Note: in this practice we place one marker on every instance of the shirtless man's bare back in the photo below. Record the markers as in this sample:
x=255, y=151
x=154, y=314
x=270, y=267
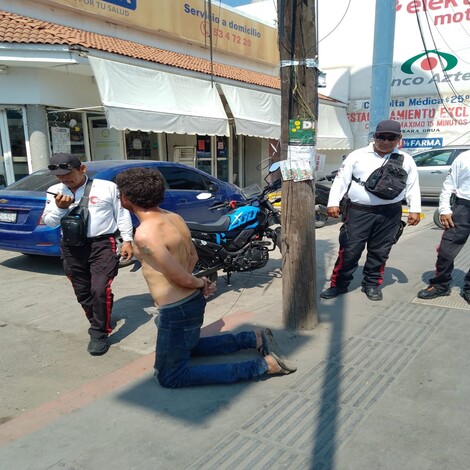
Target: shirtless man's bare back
x=163, y=245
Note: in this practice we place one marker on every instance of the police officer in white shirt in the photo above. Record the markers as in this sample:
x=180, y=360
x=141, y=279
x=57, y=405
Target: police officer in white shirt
x=370, y=220
x=456, y=221
x=92, y=267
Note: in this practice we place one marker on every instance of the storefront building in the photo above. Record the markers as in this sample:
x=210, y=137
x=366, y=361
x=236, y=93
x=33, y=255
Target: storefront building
x=100, y=83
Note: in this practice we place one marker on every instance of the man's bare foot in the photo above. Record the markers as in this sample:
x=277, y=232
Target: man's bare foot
x=276, y=365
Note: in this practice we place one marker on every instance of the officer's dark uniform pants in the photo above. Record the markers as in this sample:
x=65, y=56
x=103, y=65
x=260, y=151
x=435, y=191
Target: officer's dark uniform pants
x=452, y=241
x=374, y=226
x=91, y=269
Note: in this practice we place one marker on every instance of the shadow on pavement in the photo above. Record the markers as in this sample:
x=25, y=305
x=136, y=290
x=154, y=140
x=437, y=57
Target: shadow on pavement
x=135, y=310
x=198, y=404
x=246, y=279
x=326, y=440
x=37, y=264
x=458, y=277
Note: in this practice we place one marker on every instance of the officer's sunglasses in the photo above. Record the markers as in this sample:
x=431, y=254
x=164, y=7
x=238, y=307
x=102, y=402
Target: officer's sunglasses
x=60, y=166
x=389, y=137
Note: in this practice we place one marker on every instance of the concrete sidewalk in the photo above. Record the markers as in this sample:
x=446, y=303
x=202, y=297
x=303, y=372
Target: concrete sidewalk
x=380, y=385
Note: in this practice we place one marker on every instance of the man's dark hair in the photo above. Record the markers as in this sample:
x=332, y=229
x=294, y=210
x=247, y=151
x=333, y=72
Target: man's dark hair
x=144, y=187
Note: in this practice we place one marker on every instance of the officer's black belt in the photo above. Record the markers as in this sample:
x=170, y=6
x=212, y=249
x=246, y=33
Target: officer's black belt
x=378, y=209
x=101, y=237
x=462, y=202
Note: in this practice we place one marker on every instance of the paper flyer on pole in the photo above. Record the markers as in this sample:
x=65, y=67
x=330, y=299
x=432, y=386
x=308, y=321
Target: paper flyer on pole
x=301, y=151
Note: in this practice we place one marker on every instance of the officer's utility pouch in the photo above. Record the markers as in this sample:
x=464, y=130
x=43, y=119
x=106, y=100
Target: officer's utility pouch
x=74, y=225
x=389, y=180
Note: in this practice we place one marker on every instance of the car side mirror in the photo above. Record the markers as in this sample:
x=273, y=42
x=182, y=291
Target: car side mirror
x=213, y=187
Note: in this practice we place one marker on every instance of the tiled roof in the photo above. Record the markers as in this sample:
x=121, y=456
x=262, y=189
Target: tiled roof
x=21, y=29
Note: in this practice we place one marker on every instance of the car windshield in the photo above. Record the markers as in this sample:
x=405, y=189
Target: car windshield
x=39, y=181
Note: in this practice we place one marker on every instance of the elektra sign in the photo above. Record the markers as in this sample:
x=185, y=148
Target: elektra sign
x=129, y=4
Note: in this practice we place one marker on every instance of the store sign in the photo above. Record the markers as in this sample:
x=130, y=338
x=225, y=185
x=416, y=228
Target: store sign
x=189, y=21
x=423, y=142
x=426, y=121
x=131, y=4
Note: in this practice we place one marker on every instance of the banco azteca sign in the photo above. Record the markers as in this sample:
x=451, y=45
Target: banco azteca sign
x=441, y=65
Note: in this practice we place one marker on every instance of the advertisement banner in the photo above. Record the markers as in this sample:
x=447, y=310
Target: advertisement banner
x=190, y=21
x=426, y=121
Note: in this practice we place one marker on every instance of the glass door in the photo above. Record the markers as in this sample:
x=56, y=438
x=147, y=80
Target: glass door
x=106, y=143
x=14, y=158
x=212, y=155
x=204, y=154
x=222, y=155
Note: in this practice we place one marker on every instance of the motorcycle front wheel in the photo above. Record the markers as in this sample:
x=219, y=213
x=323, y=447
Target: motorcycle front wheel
x=320, y=219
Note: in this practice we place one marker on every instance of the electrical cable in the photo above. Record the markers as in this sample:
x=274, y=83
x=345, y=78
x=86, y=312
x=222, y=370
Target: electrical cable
x=447, y=44
x=442, y=67
x=428, y=58
x=337, y=26
x=444, y=72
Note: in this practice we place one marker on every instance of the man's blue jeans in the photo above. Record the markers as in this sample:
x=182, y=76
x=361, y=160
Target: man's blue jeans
x=178, y=338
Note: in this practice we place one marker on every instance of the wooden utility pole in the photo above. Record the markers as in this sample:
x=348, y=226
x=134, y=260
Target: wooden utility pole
x=299, y=98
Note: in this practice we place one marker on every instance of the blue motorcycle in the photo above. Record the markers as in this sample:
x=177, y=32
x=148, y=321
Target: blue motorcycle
x=242, y=238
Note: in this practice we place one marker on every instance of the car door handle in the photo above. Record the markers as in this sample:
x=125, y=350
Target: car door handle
x=437, y=171
x=183, y=201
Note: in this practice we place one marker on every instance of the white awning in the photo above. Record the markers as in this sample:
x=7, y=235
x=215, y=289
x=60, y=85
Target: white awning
x=139, y=98
x=334, y=131
x=258, y=114
x=255, y=113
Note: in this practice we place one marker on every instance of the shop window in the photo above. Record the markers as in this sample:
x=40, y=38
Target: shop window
x=138, y=145
x=66, y=130
x=17, y=143
x=16, y=132
x=222, y=158
x=203, y=153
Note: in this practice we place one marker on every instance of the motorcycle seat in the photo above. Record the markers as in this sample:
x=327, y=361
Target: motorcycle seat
x=220, y=225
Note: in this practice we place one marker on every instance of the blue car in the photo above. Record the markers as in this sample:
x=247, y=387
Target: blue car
x=189, y=192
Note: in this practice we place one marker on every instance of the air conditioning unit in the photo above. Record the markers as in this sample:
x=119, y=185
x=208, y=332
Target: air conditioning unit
x=185, y=155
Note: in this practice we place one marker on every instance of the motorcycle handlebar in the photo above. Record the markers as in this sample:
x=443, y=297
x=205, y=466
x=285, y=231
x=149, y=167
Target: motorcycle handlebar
x=233, y=204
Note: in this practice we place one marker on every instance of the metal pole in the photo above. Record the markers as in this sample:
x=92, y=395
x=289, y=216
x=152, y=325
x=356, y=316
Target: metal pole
x=382, y=62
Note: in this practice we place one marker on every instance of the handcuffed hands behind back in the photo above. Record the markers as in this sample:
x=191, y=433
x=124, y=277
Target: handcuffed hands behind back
x=209, y=287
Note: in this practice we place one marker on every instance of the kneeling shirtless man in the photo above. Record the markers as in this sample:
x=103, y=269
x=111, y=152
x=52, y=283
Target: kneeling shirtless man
x=163, y=245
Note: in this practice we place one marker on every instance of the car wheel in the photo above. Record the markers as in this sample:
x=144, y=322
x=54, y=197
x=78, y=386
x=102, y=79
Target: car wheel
x=437, y=219
x=123, y=262
x=320, y=219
